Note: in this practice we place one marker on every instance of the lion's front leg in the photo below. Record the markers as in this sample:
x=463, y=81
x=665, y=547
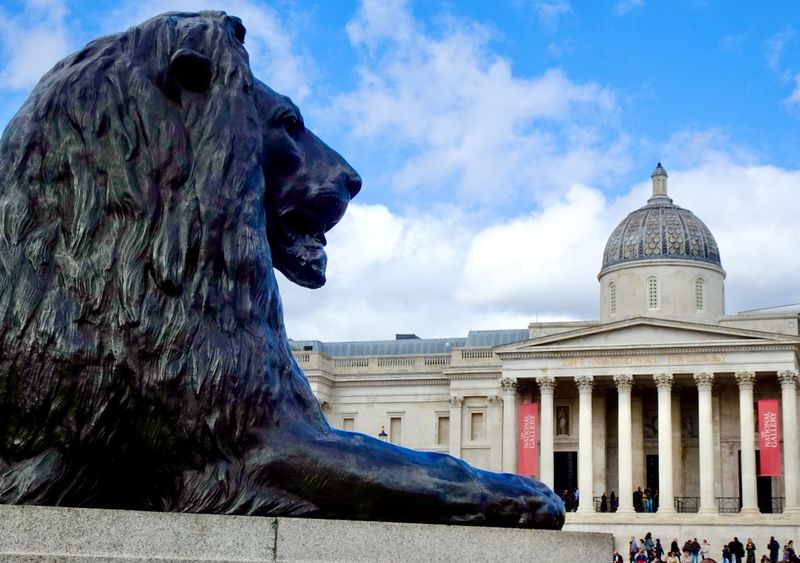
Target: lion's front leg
x=354, y=476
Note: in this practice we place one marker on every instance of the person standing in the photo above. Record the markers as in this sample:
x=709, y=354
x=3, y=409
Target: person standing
x=738, y=550
x=604, y=502
x=774, y=548
x=705, y=549
x=614, y=501
x=694, y=549
x=633, y=548
x=750, y=548
x=674, y=547
x=659, y=550
x=617, y=558
x=647, y=501
x=637, y=500
x=648, y=545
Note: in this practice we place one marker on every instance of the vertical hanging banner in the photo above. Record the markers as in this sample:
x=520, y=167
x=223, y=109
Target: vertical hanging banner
x=528, y=463
x=769, y=437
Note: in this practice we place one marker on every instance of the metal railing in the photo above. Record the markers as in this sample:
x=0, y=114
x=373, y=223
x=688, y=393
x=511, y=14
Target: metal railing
x=729, y=505
x=777, y=505
x=687, y=504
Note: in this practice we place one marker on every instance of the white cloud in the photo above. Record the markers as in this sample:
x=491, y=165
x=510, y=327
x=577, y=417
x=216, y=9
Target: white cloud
x=32, y=41
x=274, y=54
x=794, y=97
x=624, y=6
x=551, y=11
x=542, y=262
x=468, y=123
x=775, y=46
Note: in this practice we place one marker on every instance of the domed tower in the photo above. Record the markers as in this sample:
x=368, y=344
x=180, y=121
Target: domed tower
x=661, y=261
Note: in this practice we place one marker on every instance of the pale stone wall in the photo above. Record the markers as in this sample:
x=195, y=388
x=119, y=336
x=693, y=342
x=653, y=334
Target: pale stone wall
x=787, y=323
x=676, y=286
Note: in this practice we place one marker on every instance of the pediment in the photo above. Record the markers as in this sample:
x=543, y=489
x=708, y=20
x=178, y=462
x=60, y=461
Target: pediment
x=640, y=332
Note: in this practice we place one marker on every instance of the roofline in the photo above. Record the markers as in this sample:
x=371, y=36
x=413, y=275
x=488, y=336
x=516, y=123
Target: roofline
x=664, y=261
x=653, y=321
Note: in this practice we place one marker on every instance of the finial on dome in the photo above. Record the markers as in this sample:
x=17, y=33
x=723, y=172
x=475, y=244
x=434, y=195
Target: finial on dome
x=659, y=177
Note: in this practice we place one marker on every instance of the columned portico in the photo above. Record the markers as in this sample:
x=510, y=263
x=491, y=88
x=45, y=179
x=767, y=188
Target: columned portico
x=585, y=468
x=791, y=453
x=666, y=494
x=547, y=385
x=704, y=381
x=624, y=384
x=509, y=387
x=746, y=380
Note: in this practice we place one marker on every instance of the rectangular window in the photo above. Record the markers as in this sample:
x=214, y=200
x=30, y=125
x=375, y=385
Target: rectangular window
x=443, y=430
x=612, y=297
x=349, y=423
x=652, y=293
x=698, y=294
x=477, y=428
x=396, y=430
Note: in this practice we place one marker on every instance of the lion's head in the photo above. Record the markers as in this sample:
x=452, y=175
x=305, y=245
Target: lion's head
x=152, y=165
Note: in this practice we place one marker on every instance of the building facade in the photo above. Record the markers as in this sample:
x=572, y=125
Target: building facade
x=660, y=393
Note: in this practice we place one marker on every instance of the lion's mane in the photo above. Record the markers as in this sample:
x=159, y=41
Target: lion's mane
x=136, y=281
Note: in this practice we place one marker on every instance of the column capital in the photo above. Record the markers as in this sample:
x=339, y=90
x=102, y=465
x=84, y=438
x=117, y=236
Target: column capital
x=663, y=381
x=704, y=380
x=745, y=379
x=547, y=383
x=495, y=400
x=623, y=381
x=585, y=383
x=788, y=378
x=508, y=385
x=456, y=401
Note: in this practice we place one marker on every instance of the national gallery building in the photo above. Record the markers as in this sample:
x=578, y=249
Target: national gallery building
x=664, y=392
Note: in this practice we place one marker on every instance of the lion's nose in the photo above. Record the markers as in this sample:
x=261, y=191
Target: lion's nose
x=353, y=182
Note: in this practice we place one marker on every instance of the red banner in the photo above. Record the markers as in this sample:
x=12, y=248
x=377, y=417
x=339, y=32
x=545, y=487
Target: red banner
x=528, y=463
x=769, y=437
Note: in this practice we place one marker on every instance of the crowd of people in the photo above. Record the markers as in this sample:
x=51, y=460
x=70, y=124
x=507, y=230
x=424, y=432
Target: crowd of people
x=649, y=550
x=644, y=500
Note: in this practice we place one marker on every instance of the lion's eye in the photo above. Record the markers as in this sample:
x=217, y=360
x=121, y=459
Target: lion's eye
x=292, y=124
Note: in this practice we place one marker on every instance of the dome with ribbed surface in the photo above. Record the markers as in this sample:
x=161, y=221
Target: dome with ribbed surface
x=661, y=230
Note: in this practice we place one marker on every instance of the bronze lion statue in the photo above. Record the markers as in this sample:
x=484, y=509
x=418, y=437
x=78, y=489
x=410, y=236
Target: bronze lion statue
x=148, y=187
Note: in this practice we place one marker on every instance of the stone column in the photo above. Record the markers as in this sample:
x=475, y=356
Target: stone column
x=494, y=432
x=624, y=384
x=665, y=491
x=509, y=387
x=455, y=425
x=791, y=453
x=547, y=385
x=585, y=470
x=746, y=380
x=704, y=383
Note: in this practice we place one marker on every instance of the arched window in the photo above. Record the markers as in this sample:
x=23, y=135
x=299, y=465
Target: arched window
x=612, y=298
x=652, y=294
x=699, y=294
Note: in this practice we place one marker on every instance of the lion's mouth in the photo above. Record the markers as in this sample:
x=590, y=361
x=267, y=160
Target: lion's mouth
x=297, y=239
x=297, y=224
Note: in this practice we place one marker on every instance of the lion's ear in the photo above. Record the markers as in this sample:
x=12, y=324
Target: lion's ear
x=191, y=70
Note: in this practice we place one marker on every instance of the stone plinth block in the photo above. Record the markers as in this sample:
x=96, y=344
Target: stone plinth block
x=71, y=535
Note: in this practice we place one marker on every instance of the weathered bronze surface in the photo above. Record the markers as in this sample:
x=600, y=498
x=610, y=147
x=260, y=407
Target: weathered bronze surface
x=148, y=187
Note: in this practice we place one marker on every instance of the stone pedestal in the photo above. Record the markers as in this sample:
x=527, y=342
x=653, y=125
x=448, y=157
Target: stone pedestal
x=71, y=535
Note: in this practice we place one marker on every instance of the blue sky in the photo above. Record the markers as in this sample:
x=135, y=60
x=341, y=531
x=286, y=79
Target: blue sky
x=500, y=142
